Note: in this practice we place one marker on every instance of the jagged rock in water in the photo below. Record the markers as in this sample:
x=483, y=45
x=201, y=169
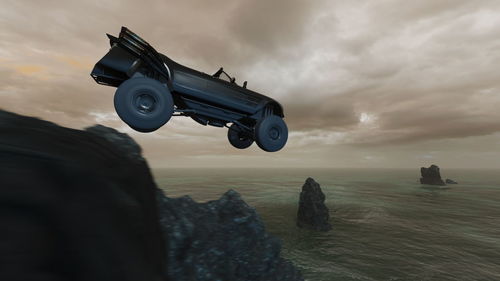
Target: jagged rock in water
x=450, y=181
x=313, y=212
x=431, y=176
x=223, y=239
x=83, y=205
x=74, y=206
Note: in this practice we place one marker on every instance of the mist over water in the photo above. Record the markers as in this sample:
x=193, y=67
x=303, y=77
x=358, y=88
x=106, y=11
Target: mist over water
x=386, y=226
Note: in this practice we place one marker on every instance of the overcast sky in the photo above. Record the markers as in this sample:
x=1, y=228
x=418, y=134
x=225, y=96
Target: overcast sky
x=378, y=83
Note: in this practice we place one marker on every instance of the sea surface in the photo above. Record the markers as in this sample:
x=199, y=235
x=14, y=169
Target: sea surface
x=386, y=226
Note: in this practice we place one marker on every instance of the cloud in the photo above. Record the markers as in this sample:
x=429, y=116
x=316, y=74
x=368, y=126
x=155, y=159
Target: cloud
x=334, y=114
x=270, y=25
x=28, y=69
x=422, y=72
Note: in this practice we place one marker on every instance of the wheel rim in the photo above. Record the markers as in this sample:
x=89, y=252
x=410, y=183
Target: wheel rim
x=242, y=136
x=271, y=133
x=144, y=102
x=274, y=133
x=238, y=138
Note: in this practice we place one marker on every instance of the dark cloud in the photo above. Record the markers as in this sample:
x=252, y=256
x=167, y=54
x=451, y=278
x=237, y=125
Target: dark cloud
x=313, y=114
x=270, y=25
x=369, y=82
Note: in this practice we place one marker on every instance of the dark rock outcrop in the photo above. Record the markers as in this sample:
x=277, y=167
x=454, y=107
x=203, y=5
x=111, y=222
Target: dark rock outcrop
x=121, y=141
x=223, y=239
x=450, y=181
x=83, y=206
x=313, y=212
x=431, y=176
x=74, y=206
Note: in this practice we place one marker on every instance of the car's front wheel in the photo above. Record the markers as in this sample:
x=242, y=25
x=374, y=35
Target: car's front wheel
x=144, y=104
x=238, y=138
x=271, y=133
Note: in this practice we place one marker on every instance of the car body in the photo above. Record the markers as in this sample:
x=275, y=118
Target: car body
x=215, y=100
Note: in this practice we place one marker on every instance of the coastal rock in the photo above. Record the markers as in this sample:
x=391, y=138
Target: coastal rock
x=95, y=189
x=121, y=141
x=313, y=212
x=431, y=176
x=449, y=181
x=223, y=239
x=73, y=206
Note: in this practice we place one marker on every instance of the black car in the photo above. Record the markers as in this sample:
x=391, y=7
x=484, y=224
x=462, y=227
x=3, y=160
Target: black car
x=151, y=88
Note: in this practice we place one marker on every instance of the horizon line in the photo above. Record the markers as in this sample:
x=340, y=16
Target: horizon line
x=319, y=167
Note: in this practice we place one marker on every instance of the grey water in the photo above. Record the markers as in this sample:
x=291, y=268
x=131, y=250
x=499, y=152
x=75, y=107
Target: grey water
x=386, y=225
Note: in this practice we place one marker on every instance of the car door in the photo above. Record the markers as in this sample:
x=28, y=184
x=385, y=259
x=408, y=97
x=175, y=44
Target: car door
x=190, y=83
x=211, y=90
x=230, y=94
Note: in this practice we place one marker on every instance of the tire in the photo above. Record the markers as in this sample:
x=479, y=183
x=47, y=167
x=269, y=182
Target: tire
x=237, y=138
x=144, y=104
x=271, y=133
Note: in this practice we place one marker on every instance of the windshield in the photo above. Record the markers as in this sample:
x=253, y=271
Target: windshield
x=224, y=76
x=221, y=74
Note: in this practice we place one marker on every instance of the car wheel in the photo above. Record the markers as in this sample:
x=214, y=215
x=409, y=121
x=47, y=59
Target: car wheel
x=271, y=133
x=144, y=104
x=238, y=138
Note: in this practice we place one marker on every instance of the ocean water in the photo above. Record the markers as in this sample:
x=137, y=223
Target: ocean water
x=386, y=226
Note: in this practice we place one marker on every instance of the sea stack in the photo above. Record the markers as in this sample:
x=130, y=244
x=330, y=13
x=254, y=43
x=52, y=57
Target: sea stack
x=313, y=213
x=431, y=176
x=449, y=181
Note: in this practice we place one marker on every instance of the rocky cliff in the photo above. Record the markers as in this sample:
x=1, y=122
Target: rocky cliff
x=74, y=206
x=82, y=205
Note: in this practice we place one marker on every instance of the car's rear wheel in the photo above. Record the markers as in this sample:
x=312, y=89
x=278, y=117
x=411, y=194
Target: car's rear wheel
x=238, y=138
x=144, y=104
x=271, y=133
